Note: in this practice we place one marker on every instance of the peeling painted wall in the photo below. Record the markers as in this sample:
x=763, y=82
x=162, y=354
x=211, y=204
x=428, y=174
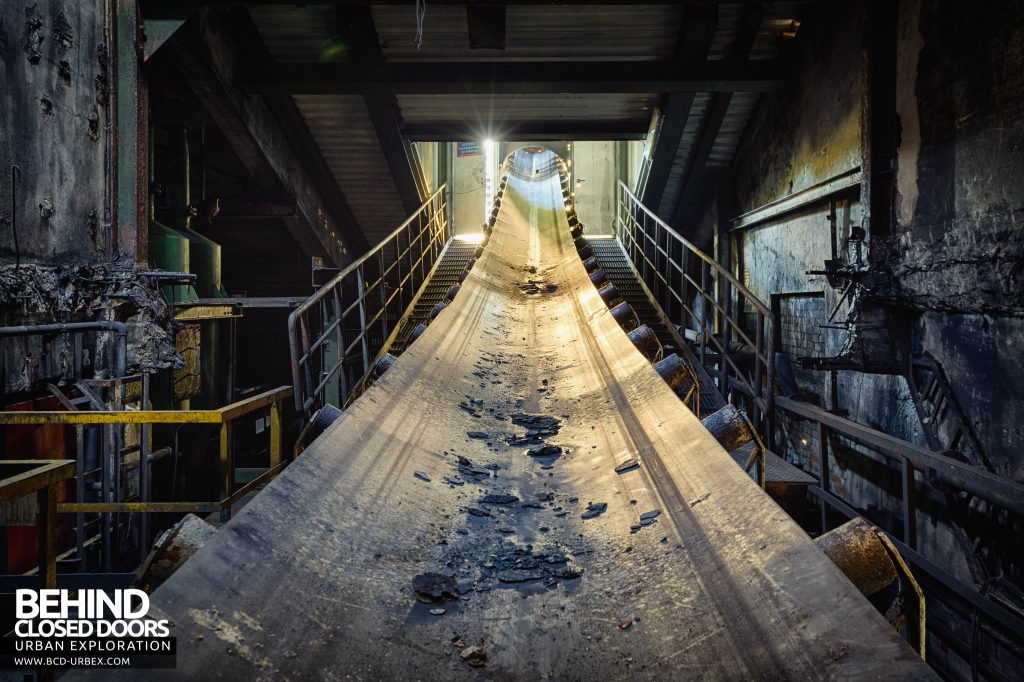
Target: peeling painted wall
x=53, y=66
x=54, y=94
x=958, y=256
x=594, y=170
x=960, y=203
x=952, y=269
x=954, y=266
x=795, y=141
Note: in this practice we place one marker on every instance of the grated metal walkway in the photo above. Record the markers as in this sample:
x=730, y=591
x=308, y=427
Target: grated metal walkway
x=449, y=268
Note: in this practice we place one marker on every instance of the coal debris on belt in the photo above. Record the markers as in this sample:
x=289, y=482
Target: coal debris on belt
x=594, y=509
x=430, y=587
x=535, y=421
x=628, y=465
x=546, y=450
x=476, y=656
x=498, y=498
x=513, y=564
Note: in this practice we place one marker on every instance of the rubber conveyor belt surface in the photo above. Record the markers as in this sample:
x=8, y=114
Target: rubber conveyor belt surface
x=314, y=578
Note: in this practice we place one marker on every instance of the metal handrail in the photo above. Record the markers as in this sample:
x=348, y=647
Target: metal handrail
x=660, y=255
x=910, y=460
x=382, y=281
x=224, y=417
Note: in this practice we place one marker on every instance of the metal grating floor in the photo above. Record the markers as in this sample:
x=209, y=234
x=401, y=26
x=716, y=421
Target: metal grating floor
x=451, y=265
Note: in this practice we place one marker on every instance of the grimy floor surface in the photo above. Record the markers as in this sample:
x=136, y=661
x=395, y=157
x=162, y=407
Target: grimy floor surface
x=314, y=579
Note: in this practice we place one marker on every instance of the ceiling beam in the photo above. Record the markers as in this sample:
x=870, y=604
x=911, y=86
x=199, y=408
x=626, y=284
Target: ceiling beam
x=208, y=57
x=357, y=30
x=526, y=130
x=170, y=9
x=486, y=26
x=517, y=78
x=695, y=37
x=750, y=25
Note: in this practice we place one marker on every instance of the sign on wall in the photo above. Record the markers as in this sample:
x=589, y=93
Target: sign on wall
x=467, y=149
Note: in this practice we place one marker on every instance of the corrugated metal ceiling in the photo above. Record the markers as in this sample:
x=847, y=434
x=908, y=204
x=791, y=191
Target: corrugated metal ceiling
x=535, y=33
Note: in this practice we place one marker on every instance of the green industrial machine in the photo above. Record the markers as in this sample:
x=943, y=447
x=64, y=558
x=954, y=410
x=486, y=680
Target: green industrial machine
x=174, y=246
x=168, y=247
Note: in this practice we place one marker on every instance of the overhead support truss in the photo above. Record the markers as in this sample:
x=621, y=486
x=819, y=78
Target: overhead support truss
x=517, y=78
x=695, y=36
x=750, y=24
x=268, y=138
x=356, y=29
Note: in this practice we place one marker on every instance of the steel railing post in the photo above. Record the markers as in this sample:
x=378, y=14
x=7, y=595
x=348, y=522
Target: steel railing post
x=361, y=293
x=759, y=362
x=823, y=472
x=726, y=329
x=275, y=434
x=226, y=466
x=144, y=470
x=339, y=333
x=383, y=298
x=703, y=312
x=47, y=500
x=80, y=496
x=909, y=506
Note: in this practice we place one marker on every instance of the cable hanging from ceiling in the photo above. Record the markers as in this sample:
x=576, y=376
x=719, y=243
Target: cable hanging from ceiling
x=421, y=12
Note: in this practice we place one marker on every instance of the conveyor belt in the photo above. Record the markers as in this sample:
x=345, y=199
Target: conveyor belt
x=315, y=578
x=616, y=265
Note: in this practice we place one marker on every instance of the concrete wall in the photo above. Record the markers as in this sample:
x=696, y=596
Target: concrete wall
x=959, y=206
x=427, y=153
x=53, y=98
x=468, y=192
x=952, y=268
x=594, y=173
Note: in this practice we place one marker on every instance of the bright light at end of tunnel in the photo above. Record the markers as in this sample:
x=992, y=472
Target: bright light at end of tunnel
x=474, y=238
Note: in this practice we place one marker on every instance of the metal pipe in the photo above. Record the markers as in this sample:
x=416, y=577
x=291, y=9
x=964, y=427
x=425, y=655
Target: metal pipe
x=858, y=552
x=729, y=427
x=624, y=315
x=645, y=340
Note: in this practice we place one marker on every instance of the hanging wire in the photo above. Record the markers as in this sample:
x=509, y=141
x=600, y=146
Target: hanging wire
x=421, y=12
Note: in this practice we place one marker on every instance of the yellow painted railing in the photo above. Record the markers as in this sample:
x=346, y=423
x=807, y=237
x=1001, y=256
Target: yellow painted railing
x=223, y=416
